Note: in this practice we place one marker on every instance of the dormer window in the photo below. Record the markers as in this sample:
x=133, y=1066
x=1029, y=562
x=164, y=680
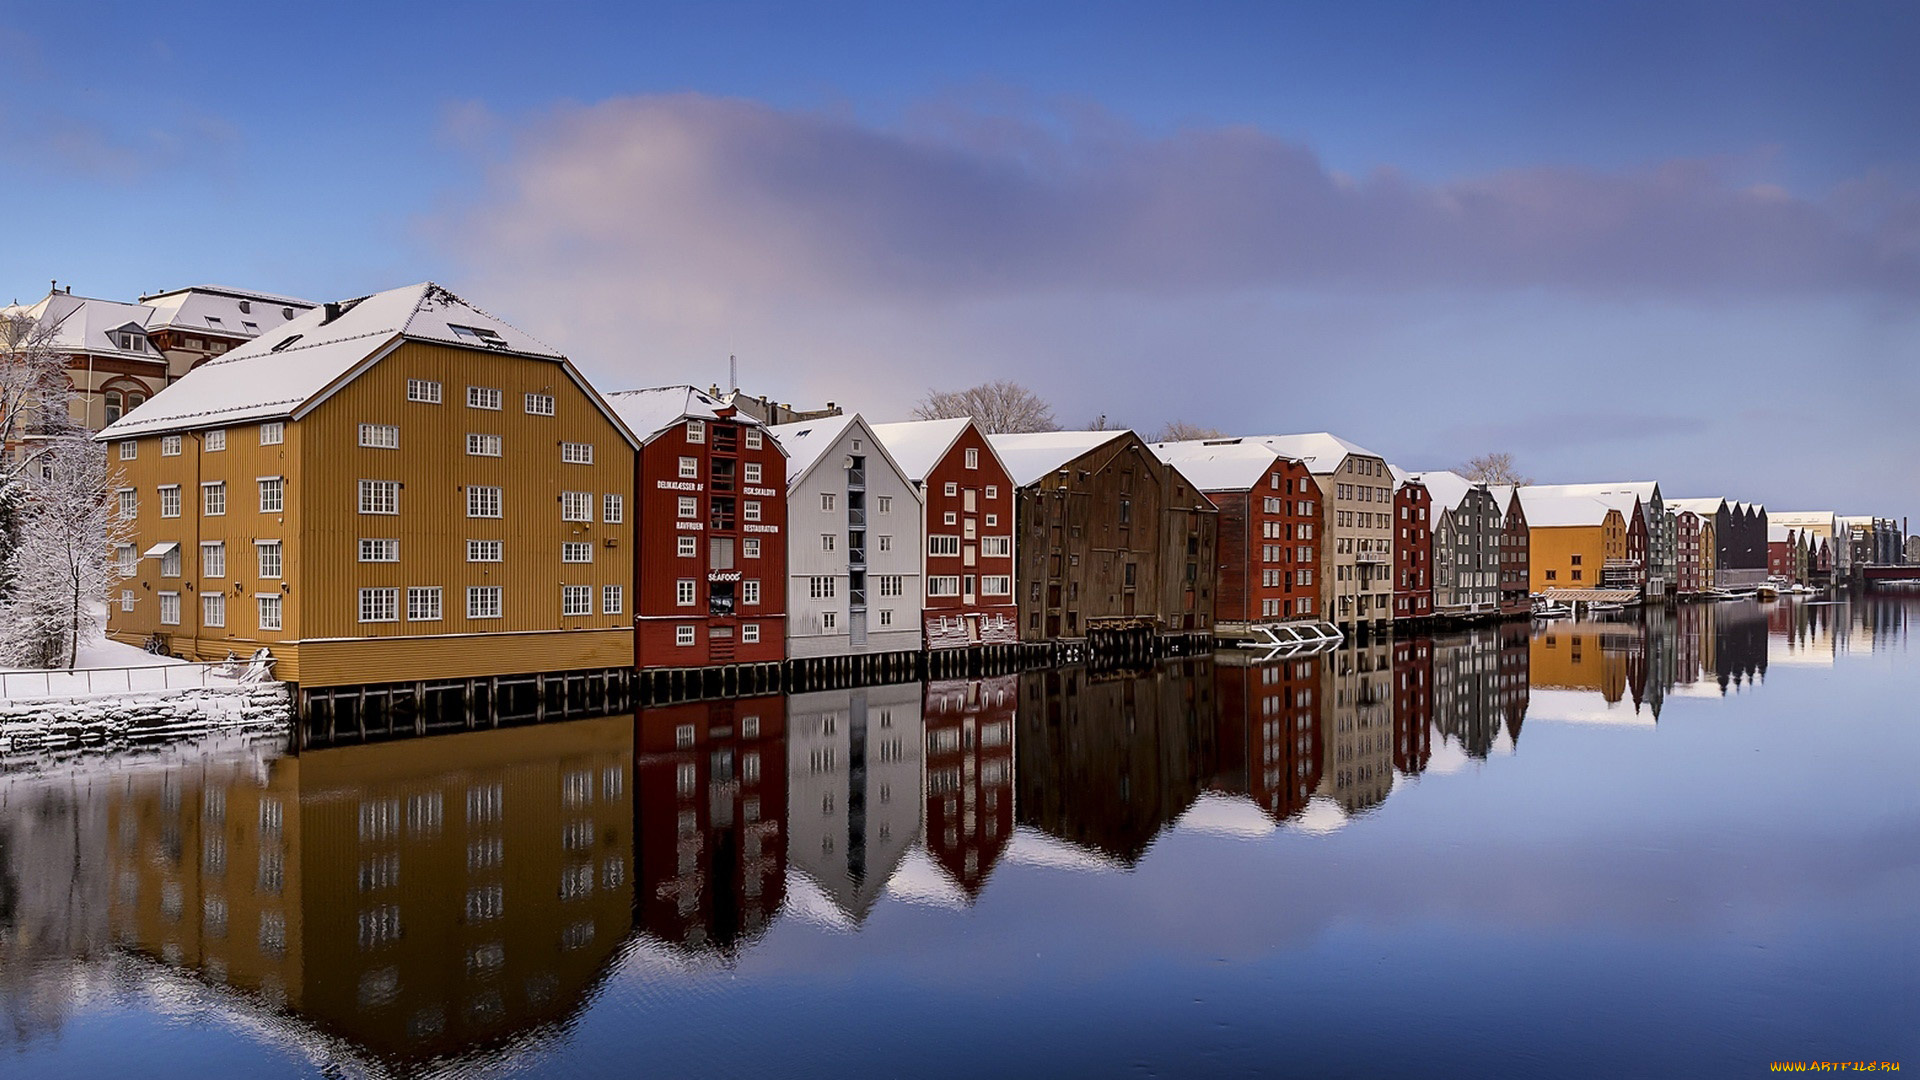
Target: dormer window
x=286, y=313
x=246, y=307
x=479, y=335
x=131, y=341
x=250, y=326
x=214, y=321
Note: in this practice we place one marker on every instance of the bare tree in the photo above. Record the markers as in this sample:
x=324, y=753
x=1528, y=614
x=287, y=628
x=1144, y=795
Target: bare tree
x=1495, y=468
x=1000, y=407
x=33, y=388
x=1181, y=431
x=1103, y=422
x=62, y=568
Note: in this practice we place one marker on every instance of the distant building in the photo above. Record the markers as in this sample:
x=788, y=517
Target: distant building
x=1269, y=528
x=1739, y=538
x=1693, y=571
x=1657, y=553
x=1469, y=541
x=1819, y=527
x=1516, y=543
x=1570, y=539
x=1356, y=526
x=1874, y=541
x=768, y=411
x=1415, y=574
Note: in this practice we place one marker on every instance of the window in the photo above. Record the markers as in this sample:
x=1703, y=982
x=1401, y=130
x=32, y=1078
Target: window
x=215, y=440
x=750, y=592
x=996, y=546
x=539, y=404
x=753, y=438
x=696, y=431
x=379, y=496
x=379, y=550
x=483, y=601
x=576, y=551
x=750, y=548
x=268, y=556
x=973, y=459
x=950, y=518
x=170, y=609
x=750, y=633
x=576, y=506
x=170, y=501
x=126, y=600
x=130, y=450
x=996, y=585
x=943, y=545
x=613, y=599
x=483, y=397
x=273, y=433
x=821, y=588
x=689, y=547
x=686, y=592
x=952, y=489
x=483, y=445
x=750, y=472
x=273, y=495
x=827, y=541
x=891, y=584
x=127, y=558
x=750, y=510
x=683, y=635
x=576, y=453
x=213, y=559
x=213, y=609
x=483, y=502
x=213, y=498
x=380, y=436
x=829, y=620
x=689, y=468
x=423, y=390
x=613, y=509
x=689, y=507
x=485, y=550
x=943, y=585
x=885, y=542
x=129, y=504
x=576, y=599
x=268, y=608
x=379, y=605
x=886, y=617
x=993, y=491
x=826, y=502
x=423, y=603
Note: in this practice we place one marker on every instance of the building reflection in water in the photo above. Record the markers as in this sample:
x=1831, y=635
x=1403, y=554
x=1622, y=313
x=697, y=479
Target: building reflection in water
x=969, y=776
x=854, y=765
x=1269, y=730
x=1357, y=685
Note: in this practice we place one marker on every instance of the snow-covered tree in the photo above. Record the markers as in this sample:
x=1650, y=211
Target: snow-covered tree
x=999, y=407
x=33, y=402
x=62, y=566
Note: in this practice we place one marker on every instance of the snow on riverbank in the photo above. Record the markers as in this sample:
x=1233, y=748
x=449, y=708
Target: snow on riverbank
x=28, y=727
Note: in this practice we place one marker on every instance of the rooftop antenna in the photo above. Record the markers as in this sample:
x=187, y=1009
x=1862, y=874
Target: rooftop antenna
x=733, y=374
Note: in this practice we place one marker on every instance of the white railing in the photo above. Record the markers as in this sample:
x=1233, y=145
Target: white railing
x=135, y=679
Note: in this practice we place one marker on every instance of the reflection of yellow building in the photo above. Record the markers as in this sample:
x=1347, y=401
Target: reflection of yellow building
x=1579, y=656
x=416, y=898
x=1570, y=538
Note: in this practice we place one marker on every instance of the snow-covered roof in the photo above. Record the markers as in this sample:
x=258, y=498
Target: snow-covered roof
x=84, y=324
x=918, y=445
x=1614, y=495
x=1778, y=534
x=1642, y=489
x=1552, y=511
x=1447, y=489
x=1704, y=507
x=1220, y=464
x=1030, y=456
x=806, y=441
x=655, y=409
x=216, y=309
x=1322, y=452
x=283, y=371
x=1805, y=519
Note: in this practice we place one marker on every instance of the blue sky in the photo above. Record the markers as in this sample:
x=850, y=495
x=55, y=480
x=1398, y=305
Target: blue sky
x=1662, y=239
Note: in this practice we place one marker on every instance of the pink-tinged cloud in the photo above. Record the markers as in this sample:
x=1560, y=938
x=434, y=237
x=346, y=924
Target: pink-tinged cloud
x=730, y=198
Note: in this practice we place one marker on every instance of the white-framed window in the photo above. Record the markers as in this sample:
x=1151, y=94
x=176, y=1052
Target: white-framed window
x=213, y=558
x=379, y=496
x=973, y=458
x=379, y=550
x=827, y=501
x=749, y=592
x=129, y=450
x=689, y=468
x=127, y=559
x=213, y=498
x=539, y=404
x=993, y=491
x=750, y=472
x=943, y=585
x=486, y=550
x=950, y=518
x=688, y=547
x=613, y=599
x=215, y=440
x=821, y=588
x=754, y=439
x=884, y=542
x=423, y=603
x=696, y=431
x=891, y=584
x=943, y=545
x=613, y=509
x=169, y=446
x=273, y=495
x=483, y=501
x=482, y=445
x=267, y=611
x=126, y=599
x=129, y=504
x=689, y=507
x=213, y=609
x=170, y=609
x=576, y=506
x=483, y=397
x=576, y=453
x=750, y=632
x=576, y=599
x=829, y=620
x=379, y=605
x=996, y=546
x=827, y=541
x=992, y=520
x=750, y=548
x=686, y=592
x=170, y=501
x=952, y=489
x=576, y=551
x=996, y=585
x=426, y=391
x=483, y=601
x=683, y=635
x=267, y=555
x=380, y=436
x=273, y=433
x=750, y=510
x=885, y=504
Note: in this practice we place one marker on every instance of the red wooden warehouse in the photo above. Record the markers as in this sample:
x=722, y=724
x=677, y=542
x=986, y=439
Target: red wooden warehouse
x=1412, y=549
x=1269, y=517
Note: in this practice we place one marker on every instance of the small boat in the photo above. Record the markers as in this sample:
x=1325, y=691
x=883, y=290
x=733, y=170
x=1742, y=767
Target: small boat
x=1549, y=609
x=1604, y=606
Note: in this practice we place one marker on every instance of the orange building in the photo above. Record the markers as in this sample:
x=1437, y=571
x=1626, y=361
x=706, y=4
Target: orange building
x=1569, y=540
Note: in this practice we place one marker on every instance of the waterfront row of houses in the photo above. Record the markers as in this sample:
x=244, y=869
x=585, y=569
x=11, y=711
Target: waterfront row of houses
x=404, y=487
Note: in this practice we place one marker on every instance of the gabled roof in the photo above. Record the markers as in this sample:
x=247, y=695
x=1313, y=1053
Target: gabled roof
x=1778, y=534
x=1220, y=464
x=1507, y=496
x=289, y=371
x=1448, y=490
x=655, y=409
x=809, y=442
x=1030, y=456
x=1321, y=452
x=1554, y=511
x=84, y=324
x=918, y=445
x=1707, y=507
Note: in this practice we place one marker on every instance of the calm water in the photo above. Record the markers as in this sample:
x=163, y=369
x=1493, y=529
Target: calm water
x=1680, y=848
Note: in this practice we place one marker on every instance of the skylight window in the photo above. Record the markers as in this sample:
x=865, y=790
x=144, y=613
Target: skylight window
x=478, y=334
x=214, y=321
x=286, y=342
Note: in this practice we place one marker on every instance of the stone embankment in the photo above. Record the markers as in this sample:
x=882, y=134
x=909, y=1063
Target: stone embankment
x=64, y=723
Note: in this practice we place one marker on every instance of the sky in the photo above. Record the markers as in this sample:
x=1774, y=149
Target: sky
x=1676, y=241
